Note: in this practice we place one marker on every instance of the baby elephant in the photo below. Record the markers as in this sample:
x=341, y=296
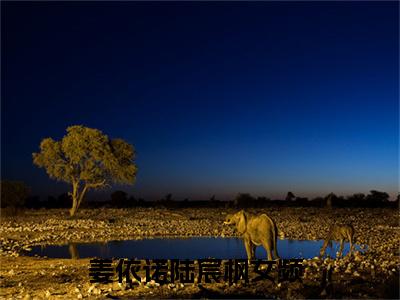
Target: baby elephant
x=255, y=231
x=338, y=233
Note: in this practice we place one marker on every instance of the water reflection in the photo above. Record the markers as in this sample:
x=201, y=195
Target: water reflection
x=190, y=248
x=73, y=251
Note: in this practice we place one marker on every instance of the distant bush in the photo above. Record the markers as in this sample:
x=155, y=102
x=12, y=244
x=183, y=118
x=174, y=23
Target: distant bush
x=13, y=194
x=376, y=198
x=119, y=199
x=243, y=200
x=33, y=202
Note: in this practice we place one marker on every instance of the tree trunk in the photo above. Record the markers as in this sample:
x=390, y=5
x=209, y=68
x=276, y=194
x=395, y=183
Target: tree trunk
x=80, y=198
x=75, y=198
x=74, y=208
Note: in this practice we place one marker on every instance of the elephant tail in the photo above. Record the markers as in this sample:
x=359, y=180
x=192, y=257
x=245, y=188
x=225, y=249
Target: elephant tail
x=275, y=241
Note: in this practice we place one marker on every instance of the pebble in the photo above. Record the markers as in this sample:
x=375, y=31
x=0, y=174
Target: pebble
x=91, y=288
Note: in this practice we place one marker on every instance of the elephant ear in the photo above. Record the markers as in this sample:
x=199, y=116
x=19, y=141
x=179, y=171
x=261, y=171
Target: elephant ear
x=242, y=224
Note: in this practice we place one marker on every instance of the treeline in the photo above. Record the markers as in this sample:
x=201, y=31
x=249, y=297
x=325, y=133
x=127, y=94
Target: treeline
x=16, y=195
x=246, y=200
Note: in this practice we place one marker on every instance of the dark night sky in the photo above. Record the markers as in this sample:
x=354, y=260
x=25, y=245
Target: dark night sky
x=217, y=98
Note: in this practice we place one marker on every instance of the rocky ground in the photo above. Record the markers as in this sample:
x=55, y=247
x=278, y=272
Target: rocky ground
x=372, y=274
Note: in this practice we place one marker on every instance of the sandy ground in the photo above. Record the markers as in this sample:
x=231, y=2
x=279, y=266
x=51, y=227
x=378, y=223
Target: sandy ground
x=373, y=274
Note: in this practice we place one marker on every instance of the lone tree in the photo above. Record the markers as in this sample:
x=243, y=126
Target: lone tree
x=329, y=200
x=87, y=159
x=290, y=196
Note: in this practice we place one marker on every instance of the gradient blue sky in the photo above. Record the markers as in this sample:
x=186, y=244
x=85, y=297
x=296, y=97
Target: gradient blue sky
x=217, y=98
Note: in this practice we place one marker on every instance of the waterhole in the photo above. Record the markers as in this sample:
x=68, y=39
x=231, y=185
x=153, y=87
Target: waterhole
x=183, y=248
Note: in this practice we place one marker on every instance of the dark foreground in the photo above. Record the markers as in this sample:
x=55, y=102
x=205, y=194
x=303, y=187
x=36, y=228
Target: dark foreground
x=373, y=274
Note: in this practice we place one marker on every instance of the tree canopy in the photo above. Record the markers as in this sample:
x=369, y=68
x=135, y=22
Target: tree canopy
x=87, y=159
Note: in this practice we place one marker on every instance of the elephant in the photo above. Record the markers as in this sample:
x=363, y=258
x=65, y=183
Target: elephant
x=255, y=231
x=338, y=233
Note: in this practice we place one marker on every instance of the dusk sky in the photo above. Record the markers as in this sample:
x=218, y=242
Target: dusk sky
x=217, y=98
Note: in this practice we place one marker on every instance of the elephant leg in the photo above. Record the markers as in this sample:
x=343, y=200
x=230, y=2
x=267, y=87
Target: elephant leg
x=268, y=249
x=253, y=251
x=276, y=250
x=341, y=248
x=247, y=245
x=351, y=246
